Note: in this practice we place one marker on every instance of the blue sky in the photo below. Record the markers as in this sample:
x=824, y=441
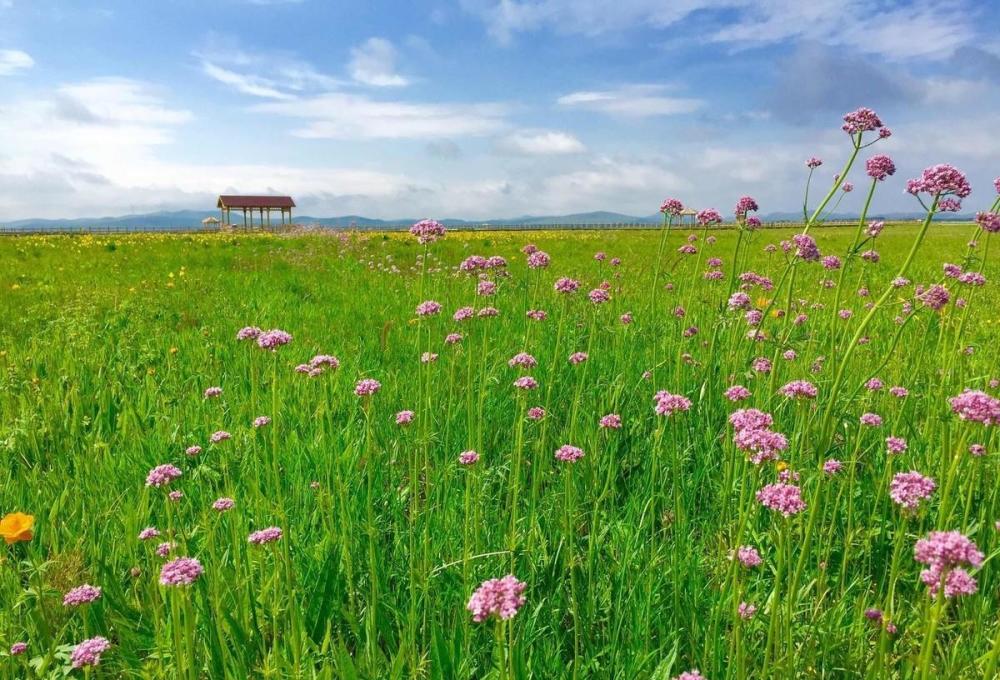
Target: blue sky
x=480, y=108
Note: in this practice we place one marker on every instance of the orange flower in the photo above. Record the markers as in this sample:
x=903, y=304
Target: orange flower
x=17, y=526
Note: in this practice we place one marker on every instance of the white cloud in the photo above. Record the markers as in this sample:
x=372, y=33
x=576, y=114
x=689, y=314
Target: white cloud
x=540, y=143
x=923, y=28
x=247, y=84
x=12, y=61
x=338, y=115
x=631, y=101
x=374, y=63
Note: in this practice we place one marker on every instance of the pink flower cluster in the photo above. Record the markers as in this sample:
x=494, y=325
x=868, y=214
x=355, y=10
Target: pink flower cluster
x=976, y=406
x=860, y=121
x=798, y=389
x=668, y=404
x=940, y=180
x=273, y=339
x=88, y=652
x=709, y=216
x=671, y=206
x=80, y=595
x=162, y=475
x=182, y=571
x=427, y=231
x=497, y=597
x=367, y=387
x=946, y=553
x=909, y=488
x=264, y=536
x=783, y=498
x=568, y=453
x=879, y=167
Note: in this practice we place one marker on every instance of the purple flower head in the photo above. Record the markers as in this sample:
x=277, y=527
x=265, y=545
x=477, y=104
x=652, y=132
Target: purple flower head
x=611, y=421
x=223, y=504
x=909, y=488
x=192, y=451
x=526, y=382
x=806, y=248
x=268, y=535
x=88, y=652
x=798, y=389
x=976, y=406
x=847, y=187
x=895, y=445
x=949, y=205
x=248, y=333
x=500, y=598
x=746, y=611
x=261, y=421
x=538, y=260
x=463, y=313
x=219, y=437
x=671, y=206
x=813, y=163
x=748, y=556
x=832, y=466
x=213, y=392
x=737, y=393
x=523, y=360
x=404, y=417
x=367, y=387
x=831, y=262
x=468, y=457
x=80, y=595
x=783, y=498
x=744, y=205
x=940, y=180
x=861, y=121
x=428, y=308
x=149, y=533
x=182, y=571
x=453, y=338
x=879, y=167
x=162, y=475
x=577, y=358
x=536, y=413
x=566, y=285
x=273, y=339
x=989, y=221
x=18, y=648
x=568, y=453
x=598, y=296
x=668, y=404
x=427, y=231
x=708, y=216
x=325, y=360
x=871, y=419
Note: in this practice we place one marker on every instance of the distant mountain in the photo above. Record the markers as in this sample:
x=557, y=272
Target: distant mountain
x=180, y=219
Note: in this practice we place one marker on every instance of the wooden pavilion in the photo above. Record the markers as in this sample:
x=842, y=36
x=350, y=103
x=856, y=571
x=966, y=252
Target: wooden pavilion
x=262, y=205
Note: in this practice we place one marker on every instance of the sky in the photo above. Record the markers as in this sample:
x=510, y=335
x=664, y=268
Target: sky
x=482, y=108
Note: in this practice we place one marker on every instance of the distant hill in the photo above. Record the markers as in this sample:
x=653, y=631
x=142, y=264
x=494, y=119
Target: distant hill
x=179, y=219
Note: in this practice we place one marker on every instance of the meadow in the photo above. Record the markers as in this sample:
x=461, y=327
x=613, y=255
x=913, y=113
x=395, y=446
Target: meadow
x=689, y=448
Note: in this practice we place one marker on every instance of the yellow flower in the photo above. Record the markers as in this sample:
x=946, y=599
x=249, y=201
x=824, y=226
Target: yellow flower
x=781, y=465
x=17, y=526
x=173, y=350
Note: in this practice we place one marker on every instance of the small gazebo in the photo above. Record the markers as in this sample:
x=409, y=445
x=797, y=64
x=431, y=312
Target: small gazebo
x=688, y=213
x=263, y=205
x=210, y=223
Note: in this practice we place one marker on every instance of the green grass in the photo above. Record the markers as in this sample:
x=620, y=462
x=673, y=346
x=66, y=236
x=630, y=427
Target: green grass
x=107, y=344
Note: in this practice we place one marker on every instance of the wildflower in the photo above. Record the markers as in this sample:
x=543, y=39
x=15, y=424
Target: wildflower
x=367, y=387
x=668, y=404
x=522, y=359
x=538, y=260
x=182, y=571
x=847, y=187
x=761, y=365
x=453, y=338
x=175, y=495
x=874, y=228
x=16, y=527
x=874, y=385
x=753, y=222
x=895, y=445
x=566, y=285
x=750, y=419
x=899, y=392
x=746, y=611
x=327, y=360
x=611, y=421
x=88, y=652
x=708, y=216
x=797, y=389
x=428, y=308
x=692, y=674
x=871, y=256
x=762, y=444
x=813, y=163
x=831, y=262
x=737, y=393
x=268, y=535
x=163, y=549
x=745, y=205
x=945, y=553
x=598, y=296
x=427, y=231
x=428, y=357
x=213, y=392
x=783, y=498
x=526, y=382
x=162, y=475
x=789, y=355
x=909, y=488
x=486, y=288
x=832, y=467
x=879, y=167
x=223, y=504
x=18, y=648
x=860, y=121
x=977, y=450
x=81, y=595
x=273, y=339
x=748, y=556
x=949, y=205
x=536, y=314
x=568, y=453
x=976, y=406
x=687, y=249
x=871, y=419
x=806, y=248
x=500, y=598
x=463, y=313
x=261, y=421
x=404, y=417
x=940, y=180
x=626, y=318
x=192, y=451
x=149, y=533
x=488, y=312
x=989, y=222
x=536, y=413
x=468, y=457
x=248, y=333
x=671, y=206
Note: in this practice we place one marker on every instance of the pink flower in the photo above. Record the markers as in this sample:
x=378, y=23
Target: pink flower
x=692, y=674
x=182, y=571
x=577, y=358
x=976, y=406
x=453, y=338
x=537, y=314
x=149, y=533
x=223, y=504
x=989, y=221
x=522, y=359
x=264, y=536
x=428, y=357
x=626, y=318
x=486, y=288
x=737, y=393
x=192, y=451
x=847, y=187
x=219, y=437
x=947, y=548
x=745, y=205
x=909, y=488
x=500, y=598
x=871, y=419
x=748, y=556
x=895, y=445
x=708, y=216
x=598, y=296
x=80, y=595
x=874, y=385
x=750, y=419
x=899, y=392
x=538, y=260
x=879, y=167
x=162, y=475
x=668, y=404
x=568, y=453
x=463, y=313
x=468, y=457
x=762, y=365
x=327, y=360
x=88, y=652
x=526, y=382
x=427, y=231
x=213, y=392
x=977, y=450
x=404, y=417
x=832, y=466
x=367, y=387
x=273, y=339
x=428, y=308
x=861, y=121
x=487, y=312
x=248, y=333
x=783, y=498
x=163, y=549
x=18, y=648
x=175, y=496
x=746, y=611
x=261, y=421
x=536, y=413
x=566, y=285
x=813, y=163
x=798, y=389
x=940, y=180
x=611, y=421
x=806, y=248
x=671, y=206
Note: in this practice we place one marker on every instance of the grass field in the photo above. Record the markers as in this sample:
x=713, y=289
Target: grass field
x=108, y=345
